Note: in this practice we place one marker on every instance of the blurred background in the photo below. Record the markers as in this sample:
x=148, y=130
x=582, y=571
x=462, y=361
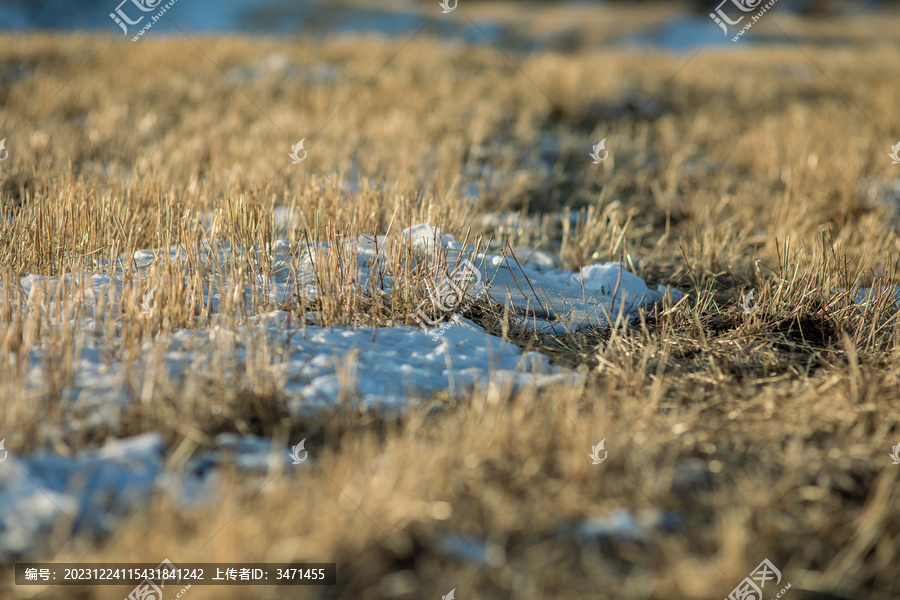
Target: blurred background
x=522, y=25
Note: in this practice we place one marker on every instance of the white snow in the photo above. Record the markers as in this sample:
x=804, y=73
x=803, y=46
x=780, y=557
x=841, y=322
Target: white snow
x=528, y=281
x=322, y=365
x=317, y=368
x=588, y=297
x=390, y=365
x=870, y=296
x=94, y=491
x=314, y=369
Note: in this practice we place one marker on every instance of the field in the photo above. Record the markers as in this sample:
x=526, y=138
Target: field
x=148, y=203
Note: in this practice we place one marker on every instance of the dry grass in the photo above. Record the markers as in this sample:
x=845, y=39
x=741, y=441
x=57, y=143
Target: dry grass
x=745, y=174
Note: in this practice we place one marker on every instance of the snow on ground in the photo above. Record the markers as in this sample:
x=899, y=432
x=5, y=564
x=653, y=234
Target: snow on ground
x=531, y=285
x=320, y=366
x=394, y=364
x=314, y=369
x=595, y=295
x=93, y=492
x=383, y=367
x=96, y=490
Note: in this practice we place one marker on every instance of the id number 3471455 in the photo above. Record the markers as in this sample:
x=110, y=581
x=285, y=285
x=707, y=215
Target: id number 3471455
x=300, y=574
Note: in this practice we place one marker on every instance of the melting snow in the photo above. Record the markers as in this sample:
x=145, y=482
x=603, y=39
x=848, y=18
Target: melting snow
x=318, y=367
x=538, y=288
x=94, y=491
x=385, y=367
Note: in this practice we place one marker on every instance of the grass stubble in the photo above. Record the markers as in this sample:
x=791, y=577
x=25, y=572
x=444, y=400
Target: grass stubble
x=768, y=433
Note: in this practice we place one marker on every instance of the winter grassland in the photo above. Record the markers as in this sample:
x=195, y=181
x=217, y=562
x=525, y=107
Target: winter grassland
x=452, y=305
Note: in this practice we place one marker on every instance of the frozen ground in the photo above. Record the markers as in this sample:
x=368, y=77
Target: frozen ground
x=94, y=492
x=322, y=365
x=315, y=370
